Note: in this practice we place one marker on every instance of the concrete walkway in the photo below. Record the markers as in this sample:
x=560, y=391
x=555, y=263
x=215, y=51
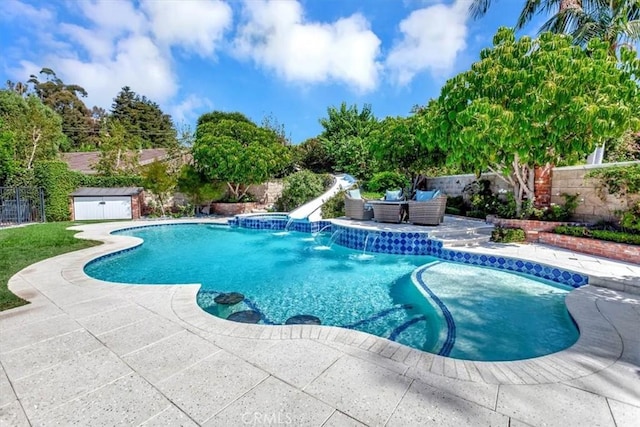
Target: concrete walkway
x=86, y=352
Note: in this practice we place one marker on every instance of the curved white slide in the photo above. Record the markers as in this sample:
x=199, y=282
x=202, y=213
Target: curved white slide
x=311, y=210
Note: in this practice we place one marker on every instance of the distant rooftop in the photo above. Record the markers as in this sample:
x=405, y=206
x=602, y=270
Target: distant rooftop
x=85, y=161
x=99, y=191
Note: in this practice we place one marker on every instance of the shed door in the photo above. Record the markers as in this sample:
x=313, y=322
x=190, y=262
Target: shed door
x=108, y=207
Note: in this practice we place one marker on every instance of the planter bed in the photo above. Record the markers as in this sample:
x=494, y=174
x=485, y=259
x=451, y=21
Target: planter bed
x=603, y=248
x=531, y=227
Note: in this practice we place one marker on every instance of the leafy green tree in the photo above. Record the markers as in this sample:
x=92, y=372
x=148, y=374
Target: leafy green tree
x=36, y=128
x=65, y=100
x=346, y=138
x=198, y=188
x=143, y=119
x=533, y=102
x=312, y=155
x=395, y=145
x=118, y=150
x=158, y=178
x=230, y=148
x=7, y=148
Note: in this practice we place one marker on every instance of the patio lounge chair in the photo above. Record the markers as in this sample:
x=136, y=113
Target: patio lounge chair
x=354, y=206
x=391, y=209
x=428, y=212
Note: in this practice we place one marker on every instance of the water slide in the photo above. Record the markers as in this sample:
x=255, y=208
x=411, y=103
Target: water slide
x=311, y=210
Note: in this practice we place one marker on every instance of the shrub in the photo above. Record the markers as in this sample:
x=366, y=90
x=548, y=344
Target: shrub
x=508, y=235
x=456, y=205
x=382, y=181
x=609, y=235
x=299, y=188
x=58, y=183
x=630, y=220
x=334, y=207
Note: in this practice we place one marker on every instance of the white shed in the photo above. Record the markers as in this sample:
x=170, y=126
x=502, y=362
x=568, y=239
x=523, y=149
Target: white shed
x=106, y=203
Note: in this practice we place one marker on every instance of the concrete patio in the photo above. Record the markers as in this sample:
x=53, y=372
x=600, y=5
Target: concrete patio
x=88, y=352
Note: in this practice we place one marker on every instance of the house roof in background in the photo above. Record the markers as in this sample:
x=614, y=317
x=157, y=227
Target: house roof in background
x=99, y=191
x=85, y=161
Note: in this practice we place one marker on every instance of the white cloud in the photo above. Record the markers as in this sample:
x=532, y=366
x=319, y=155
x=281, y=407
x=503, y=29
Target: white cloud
x=122, y=44
x=277, y=37
x=12, y=9
x=197, y=25
x=185, y=110
x=432, y=38
x=137, y=62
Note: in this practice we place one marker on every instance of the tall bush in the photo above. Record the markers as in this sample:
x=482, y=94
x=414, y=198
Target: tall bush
x=299, y=188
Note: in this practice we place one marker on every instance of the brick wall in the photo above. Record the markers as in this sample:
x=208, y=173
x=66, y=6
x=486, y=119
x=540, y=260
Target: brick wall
x=612, y=250
x=532, y=228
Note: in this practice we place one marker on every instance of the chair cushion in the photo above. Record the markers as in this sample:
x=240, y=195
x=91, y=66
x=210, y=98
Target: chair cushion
x=423, y=196
x=393, y=195
x=355, y=194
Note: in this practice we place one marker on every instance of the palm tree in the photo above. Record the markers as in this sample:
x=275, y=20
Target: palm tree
x=616, y=21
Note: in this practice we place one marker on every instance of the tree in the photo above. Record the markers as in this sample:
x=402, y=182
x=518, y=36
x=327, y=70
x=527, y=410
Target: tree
x=143, y=119
x=7, y=153
x=615, y=21
x=157, y=178
x=65, y=100
x=36, y=128
x=395, y=144
x=230, y=148
x=198, y=188
x=533, y=102
x=118, y=150
x=345, y=138
x=312, y=155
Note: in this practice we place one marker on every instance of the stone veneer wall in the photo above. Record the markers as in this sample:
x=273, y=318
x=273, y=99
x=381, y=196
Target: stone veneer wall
x=452, y=185
x=571, y=180
x=266, y=194
x=567, y=180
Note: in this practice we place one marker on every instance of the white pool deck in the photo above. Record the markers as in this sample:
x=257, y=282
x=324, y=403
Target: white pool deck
x=87, y=352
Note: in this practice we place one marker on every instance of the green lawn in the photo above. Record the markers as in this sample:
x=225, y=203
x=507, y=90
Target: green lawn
x=23, y=246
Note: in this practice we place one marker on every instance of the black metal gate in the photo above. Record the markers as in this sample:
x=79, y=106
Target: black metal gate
x=21, y=205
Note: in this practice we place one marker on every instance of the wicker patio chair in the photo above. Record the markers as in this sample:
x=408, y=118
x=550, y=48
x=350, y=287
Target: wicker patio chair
x=430, y=212
x=388, y=211
x=354, y=209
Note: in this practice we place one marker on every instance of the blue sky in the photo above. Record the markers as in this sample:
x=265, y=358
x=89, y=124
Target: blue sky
x=289, y=59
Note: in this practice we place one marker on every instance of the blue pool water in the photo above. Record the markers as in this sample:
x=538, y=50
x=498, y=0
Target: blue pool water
x=496, y=315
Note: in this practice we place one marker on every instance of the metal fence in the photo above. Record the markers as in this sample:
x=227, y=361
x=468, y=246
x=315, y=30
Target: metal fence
x=21, y=205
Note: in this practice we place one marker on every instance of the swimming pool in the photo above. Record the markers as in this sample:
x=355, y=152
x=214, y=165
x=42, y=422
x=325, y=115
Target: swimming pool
x=462, y=311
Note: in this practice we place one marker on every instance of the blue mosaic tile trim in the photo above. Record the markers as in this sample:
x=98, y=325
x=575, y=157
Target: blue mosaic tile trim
x=397, y=243
x=400, y=329
x=111, y=254
x=543, y=271
x=451, y=324
x=377, y=316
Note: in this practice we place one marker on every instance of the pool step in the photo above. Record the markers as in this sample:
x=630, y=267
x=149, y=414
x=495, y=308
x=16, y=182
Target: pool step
x=468, y=237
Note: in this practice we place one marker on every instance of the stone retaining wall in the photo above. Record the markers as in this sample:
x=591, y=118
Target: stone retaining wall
x=592, y=208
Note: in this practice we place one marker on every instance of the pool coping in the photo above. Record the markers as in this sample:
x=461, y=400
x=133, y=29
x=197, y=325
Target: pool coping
x=599, y=346
x=87, y=351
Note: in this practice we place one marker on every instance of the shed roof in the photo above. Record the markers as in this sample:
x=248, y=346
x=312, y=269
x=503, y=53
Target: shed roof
x=101, y=191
